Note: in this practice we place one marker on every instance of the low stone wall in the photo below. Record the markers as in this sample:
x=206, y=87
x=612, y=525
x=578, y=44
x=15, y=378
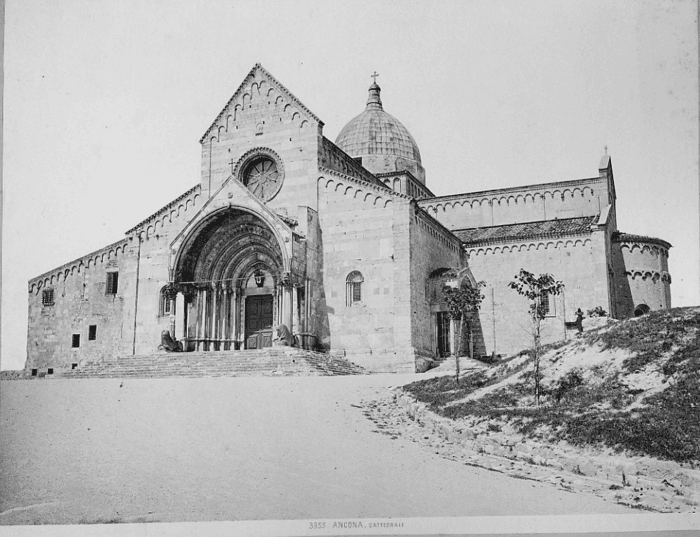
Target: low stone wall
x=382, y=360
x=664, y=483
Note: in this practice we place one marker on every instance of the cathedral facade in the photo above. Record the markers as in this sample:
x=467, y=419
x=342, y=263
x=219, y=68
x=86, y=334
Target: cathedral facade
x=344, y=245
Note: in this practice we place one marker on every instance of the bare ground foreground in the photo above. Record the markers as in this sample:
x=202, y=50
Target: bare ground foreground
x=146, y=450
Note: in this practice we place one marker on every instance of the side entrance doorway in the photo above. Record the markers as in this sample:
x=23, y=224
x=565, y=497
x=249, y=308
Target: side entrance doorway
x=258, y=321
x=443, y=334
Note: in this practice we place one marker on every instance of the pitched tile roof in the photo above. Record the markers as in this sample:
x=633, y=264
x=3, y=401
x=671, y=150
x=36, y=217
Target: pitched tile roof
x=619, y=236
x=527, y=230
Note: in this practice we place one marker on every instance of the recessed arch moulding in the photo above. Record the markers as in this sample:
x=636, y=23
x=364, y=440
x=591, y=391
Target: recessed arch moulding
x=229, y=255
x=473, y=343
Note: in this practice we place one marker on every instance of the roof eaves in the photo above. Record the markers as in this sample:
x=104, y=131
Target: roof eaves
x=370, y=177
x=507, y=190
x=164, y=208
x=407, y=172
x=619, y=236
x=380, y=187
x=578, y=226
x=76, y=261
x=529, y=236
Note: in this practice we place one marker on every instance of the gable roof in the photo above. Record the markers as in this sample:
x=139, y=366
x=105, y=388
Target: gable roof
x=257, y=68
x=527, y=230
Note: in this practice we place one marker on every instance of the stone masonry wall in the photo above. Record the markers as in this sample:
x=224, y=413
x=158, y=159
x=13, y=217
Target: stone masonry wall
x=570, y=199
x=641, y=276
x=153, y=269
x=579, y=262
x=261, y=114
x=80, y=301
x=432, y=248
x=365, y=228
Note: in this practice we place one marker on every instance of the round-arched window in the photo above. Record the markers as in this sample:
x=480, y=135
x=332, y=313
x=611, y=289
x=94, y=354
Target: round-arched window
x=165, y=302
x=353, y=291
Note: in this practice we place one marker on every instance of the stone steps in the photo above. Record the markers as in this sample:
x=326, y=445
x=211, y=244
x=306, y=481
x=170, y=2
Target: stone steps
x=265, y=362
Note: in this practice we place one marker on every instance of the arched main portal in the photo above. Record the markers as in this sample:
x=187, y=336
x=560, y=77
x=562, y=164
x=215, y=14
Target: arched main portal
x=230, y=271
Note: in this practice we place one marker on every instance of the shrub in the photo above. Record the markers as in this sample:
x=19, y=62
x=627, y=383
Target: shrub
x=596, y=411
x=571, y=380
x=597, y=312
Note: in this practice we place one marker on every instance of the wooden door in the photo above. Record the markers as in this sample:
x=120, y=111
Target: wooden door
x=258, y=322
x=443, y=333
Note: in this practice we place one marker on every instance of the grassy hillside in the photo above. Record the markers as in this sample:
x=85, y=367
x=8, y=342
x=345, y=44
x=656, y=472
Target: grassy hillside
x=633, y=386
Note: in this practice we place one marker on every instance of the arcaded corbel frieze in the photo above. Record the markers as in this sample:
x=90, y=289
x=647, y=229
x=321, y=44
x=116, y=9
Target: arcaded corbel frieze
x=544, y=244
x=76, y=266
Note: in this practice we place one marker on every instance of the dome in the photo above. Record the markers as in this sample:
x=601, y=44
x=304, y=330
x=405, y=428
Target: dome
x=381, y=140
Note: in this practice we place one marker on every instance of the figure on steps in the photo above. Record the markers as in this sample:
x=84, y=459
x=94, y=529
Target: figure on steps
x=168, y=344
x=283, y=337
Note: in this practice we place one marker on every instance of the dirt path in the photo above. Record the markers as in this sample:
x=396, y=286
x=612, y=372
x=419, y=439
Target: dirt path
x=234, y=449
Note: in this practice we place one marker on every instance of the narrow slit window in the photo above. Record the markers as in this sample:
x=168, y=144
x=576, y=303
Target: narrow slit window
x=165, y=303
x=75, y=342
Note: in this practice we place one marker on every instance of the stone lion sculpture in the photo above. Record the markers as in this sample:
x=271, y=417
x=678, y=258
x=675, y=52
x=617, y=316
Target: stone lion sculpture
x=283, y=337
x=167, y=343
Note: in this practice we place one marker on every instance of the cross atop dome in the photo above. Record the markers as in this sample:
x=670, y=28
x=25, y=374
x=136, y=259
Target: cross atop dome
x=380, y=140
x=374, y=102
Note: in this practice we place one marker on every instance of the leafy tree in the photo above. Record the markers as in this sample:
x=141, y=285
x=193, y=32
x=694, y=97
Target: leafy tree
x=461, y=300
x=537, y=290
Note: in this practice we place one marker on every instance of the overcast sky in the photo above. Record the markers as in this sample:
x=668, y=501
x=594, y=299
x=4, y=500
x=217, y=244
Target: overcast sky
x=105, y=103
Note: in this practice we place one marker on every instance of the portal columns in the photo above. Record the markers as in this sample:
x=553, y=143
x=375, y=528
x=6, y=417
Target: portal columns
x=214, y=336
x=201, y=317
x=287, y=301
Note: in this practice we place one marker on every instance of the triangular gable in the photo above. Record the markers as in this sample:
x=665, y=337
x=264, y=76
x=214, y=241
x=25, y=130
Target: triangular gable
x=232, y=193
x=259, y=72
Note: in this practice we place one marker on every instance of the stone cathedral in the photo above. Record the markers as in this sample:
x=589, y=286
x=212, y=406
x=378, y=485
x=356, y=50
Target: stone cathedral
x=342, y=247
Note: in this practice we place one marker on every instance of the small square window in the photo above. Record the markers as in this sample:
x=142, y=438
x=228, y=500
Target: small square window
x=92, y=332
x=50, y=371
x=34, y=372
x=76, y=341
x=112, y=283
x=74, y=365
x=47, y=297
